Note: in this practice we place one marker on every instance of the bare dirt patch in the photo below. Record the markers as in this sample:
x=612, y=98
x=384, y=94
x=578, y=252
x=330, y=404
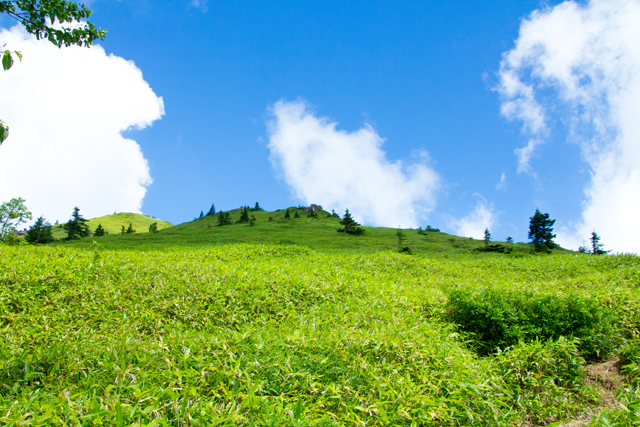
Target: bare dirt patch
x=606, y=378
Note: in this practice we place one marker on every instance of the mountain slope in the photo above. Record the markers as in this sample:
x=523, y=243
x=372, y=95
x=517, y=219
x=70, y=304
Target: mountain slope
x=316, y=233
x=113, y=224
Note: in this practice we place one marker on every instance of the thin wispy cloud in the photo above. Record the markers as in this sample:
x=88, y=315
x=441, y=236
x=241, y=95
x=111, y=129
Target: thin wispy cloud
x=340, y=169
x=200, y=4
x=502, y=184
x=66, y=109
x=583, y=62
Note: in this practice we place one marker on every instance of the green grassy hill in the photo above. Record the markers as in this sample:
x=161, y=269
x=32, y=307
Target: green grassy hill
x=113, y=223
x=316, y=233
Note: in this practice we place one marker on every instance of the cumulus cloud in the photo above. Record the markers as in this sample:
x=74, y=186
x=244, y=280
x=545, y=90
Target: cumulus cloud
x=474, y=224
x=66, y=109
x=582, y=61
x=340, y=169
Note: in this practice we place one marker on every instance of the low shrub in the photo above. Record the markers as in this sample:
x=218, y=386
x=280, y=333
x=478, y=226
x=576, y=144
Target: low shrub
x=500, y=318
x=545, y=379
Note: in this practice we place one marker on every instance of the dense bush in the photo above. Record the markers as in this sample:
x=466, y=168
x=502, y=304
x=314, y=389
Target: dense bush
x=500, y=318
x=545, y=378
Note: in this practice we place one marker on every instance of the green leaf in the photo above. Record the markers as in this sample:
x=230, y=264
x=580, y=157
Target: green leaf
x=4, y=132
x=7, y=60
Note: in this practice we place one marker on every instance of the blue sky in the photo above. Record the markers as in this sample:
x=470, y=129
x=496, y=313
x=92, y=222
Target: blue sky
x=424, y=77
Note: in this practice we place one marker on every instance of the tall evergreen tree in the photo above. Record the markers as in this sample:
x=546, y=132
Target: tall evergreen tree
x=287, y=215
x=296, y=215
x=257, y=207
x=487, y=237
x=77, y=226
x=153, y=228
x=541, y=231
x=130, y=230
x=99, y=231
x=212, y=210
x=349, y=225
x=597, y=247
x=39, y=232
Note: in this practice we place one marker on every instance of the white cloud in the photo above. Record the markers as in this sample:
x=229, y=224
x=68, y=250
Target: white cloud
x=583, y=63
x=200, y=4
x=340, y=169
x=474, y=224
x=502, y=184
x=66, y=109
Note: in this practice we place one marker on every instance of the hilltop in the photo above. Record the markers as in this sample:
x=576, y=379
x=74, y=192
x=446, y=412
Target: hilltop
x=113, y=224
x=317, y=232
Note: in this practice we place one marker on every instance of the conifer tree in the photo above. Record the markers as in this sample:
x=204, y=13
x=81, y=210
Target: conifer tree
x=122, y=230
x=224, y=218
x=39, y=232
x=287, y=215
x=257, y=207
x=201, y=214
x=244, y=215
x=212, y=210
x=99, y=231
x=296, y=215
x=487, y=237
x=130, y=230
x=541, y=231
x=153, y=228
x=349, y=225
x=77, y=226
x=597, y=247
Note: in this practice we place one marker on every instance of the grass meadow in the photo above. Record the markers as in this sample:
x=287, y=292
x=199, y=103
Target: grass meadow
x=187, y=327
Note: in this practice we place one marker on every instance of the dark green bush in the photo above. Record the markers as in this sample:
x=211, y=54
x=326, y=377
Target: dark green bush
x=500, y=318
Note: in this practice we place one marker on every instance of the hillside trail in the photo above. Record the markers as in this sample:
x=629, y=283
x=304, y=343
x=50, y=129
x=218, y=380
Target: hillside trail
x=606, y=378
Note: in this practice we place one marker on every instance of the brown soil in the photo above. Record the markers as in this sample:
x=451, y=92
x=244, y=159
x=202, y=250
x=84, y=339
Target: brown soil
x=606, y=378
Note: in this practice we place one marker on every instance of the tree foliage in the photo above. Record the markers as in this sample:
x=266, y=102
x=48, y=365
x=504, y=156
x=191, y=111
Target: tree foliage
x=77, y=226
x=244, y=215
x=130, y=229
x=39, y=232
x=100, y=231
x=39, y=18
x=596, y=246
x=212, y=210
x=487, y=237
x=12, y=213
x=153, y=228
x=541, y=231
x=349, y=226
x=224, y=218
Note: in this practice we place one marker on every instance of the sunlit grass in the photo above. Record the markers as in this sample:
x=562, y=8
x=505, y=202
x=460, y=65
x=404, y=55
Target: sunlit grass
x=283, y=335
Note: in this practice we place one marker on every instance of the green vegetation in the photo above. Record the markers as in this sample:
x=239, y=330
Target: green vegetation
x=39, y=232
x=286, y=322
x=39, y=18
x=317, y=233
x=12, y=214
x=284, y=335
x=112, y=224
